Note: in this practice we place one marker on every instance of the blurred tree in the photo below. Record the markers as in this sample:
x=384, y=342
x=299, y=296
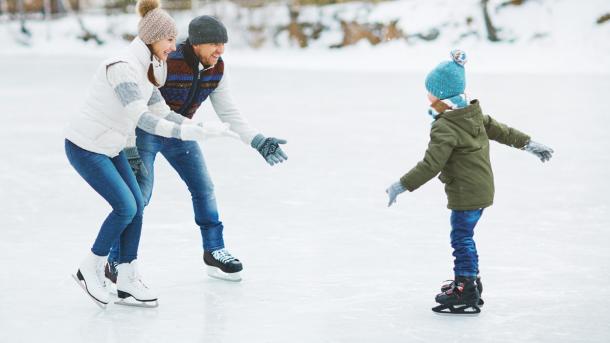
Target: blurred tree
x=492, y=33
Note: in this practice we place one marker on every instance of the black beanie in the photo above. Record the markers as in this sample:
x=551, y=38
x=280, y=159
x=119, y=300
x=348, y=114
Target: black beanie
x=207, y=29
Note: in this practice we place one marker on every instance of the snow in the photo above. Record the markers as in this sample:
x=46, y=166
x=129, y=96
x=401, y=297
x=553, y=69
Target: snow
x=324, y=259
x=540, y=37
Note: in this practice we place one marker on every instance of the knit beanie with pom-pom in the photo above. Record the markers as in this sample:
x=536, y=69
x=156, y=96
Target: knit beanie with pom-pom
x=156, y=24
x=448, y=79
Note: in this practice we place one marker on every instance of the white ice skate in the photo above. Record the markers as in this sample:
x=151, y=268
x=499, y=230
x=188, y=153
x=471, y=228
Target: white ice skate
x=130, y=288
x=220, y=264
x=90, y=277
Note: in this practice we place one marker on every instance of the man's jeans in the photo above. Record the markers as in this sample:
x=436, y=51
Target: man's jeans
x=466, y=261
x=113, y=179
x=187, y=159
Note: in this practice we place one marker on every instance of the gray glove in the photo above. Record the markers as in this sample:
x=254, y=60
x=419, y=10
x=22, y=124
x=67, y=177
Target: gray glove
x=543, y=152
x=135, y=162
x=393, y=191
x=269, y=148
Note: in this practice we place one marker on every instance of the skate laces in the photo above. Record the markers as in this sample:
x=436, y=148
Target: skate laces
x=135, y=277
x=223, y=255
x=99, y=270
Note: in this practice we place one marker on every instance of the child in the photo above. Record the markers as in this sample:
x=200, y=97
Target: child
x=459, y=150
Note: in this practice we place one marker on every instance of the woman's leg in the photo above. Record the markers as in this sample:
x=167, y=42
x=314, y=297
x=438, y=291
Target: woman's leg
x=130, y=237
x=102, y=175
x=148, y=147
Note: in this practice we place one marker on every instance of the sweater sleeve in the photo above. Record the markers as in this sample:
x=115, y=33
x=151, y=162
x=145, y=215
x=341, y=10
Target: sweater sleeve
x=504, y=134
x=228, y=113
x=157, y=105
x=440, y=147
x=123, y=80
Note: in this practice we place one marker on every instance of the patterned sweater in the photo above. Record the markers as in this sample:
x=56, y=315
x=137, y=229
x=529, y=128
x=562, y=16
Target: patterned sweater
x=186, y=88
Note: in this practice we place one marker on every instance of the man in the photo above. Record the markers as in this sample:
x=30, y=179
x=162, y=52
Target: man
x=195, y=72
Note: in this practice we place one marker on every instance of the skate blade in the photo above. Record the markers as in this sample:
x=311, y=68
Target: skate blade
x=216, y=273
x=461, y=310
x=137, y=303
x=97, y=302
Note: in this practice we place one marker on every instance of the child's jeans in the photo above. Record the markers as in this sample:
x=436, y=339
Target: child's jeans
x=466, y=261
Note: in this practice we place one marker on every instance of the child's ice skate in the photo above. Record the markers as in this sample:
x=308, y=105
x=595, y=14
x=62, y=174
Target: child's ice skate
x=221, y=265
x=90, y=277
x=130, y=288
x=448, y=284
x=462, y=298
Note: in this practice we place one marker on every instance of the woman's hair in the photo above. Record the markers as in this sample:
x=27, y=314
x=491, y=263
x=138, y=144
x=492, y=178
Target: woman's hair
x=151, y=73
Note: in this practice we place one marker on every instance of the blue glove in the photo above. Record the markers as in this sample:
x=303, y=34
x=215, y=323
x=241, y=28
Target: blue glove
x=135, y=162
x=543, y=152
x=393, y=191
x=269, y=148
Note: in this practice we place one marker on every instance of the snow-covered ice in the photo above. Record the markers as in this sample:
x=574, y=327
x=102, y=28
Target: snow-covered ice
x=325, y=259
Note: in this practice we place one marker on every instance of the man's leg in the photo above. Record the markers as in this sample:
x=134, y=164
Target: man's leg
x=187, y=159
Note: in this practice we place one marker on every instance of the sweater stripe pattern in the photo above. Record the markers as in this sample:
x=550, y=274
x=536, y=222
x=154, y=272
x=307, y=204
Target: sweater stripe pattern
x=186, y=87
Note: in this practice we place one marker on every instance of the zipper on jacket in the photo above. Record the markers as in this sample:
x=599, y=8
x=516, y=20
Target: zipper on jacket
x=192, y=92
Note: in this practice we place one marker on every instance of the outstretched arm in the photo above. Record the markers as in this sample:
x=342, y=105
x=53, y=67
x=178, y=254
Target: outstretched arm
x=228, y=113
x=505, y=134
x=122, y=78
x=442, y=142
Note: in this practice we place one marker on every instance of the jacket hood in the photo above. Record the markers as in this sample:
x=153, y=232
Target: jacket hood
x=469, y=119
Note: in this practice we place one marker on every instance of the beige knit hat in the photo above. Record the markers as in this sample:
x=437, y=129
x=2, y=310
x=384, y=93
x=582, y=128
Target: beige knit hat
x=156, y=24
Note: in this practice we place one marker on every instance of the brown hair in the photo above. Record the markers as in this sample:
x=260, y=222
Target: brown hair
x=151, y=73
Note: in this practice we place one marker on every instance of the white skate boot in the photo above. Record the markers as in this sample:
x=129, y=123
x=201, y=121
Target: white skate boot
x=129, y=285
x=90, y=276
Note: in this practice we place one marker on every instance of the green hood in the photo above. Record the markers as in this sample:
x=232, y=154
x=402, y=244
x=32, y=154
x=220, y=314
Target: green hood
x=468, y=118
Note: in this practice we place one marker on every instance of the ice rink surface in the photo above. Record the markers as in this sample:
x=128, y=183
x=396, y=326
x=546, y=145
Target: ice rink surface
x=324, y=259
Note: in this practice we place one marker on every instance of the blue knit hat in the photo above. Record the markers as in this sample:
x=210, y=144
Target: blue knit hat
x=448, y=78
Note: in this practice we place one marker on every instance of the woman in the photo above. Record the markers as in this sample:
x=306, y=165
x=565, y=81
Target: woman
x=123, y=95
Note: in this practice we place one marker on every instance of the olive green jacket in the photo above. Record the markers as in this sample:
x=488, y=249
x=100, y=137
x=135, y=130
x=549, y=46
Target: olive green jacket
x=459, y=150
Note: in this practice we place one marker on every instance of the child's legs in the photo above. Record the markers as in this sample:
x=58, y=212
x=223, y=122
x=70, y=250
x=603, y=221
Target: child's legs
x=466, y=261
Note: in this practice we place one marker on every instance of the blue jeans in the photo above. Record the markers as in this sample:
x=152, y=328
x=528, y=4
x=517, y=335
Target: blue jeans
x=187, y=159
x=466, y=261
x=113, y=179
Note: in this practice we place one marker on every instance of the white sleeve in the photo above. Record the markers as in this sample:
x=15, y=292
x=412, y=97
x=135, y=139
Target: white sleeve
x=228, y=113
x=122, y=79
x=157, y=105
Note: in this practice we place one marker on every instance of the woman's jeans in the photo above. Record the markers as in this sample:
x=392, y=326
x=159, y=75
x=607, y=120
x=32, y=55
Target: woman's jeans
x=466, y=261
x=187, y=159
x=113, y=179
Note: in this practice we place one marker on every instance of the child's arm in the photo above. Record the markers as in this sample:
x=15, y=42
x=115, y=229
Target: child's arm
x=505, y=134
x=442, y=142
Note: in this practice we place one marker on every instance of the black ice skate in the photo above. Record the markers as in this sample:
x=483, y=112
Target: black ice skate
x=110, y=273
x=462, y=298
x=221, y=265
x=447, y=285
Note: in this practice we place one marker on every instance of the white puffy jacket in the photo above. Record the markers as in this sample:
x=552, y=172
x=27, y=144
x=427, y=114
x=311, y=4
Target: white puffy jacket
x=104, y=125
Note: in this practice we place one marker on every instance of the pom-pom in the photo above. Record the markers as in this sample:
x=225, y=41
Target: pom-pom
x=145, y=6
x=458, y=56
